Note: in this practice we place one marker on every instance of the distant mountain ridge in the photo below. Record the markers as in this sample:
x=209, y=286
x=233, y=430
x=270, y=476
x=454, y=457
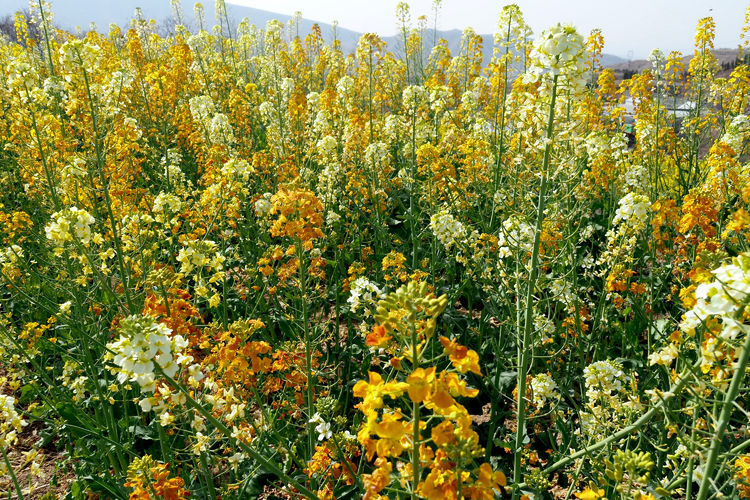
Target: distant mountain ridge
x=723, y=57
x=71, y=13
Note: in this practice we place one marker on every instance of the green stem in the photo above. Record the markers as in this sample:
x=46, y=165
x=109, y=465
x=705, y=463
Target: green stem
x=493, y=402
x=45, y=165
x=726, y=412
x=416, y=473
x=308, y=350
x=525, y=350
x=105, y=191
x=12, y=474
x=624, y=432
x=266, y=463
x=691, y=462
x=50, y=63
x=209, y=477
x=166, y=450
x=345, y=461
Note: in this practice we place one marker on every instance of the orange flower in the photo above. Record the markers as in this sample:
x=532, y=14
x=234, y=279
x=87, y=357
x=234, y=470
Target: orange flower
x=393, y=434
x=590, y=494
x=379, y=479
x=377, y=336
x=420, y=383
x=391, y=426
x=487, y=482
x=441, y=482
x=373, y=392
x=147, y=477
x=443, y=433
x=463, y=359
x=298, y=215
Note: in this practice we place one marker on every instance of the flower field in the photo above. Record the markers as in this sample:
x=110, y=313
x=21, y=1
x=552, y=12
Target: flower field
x=238, y=262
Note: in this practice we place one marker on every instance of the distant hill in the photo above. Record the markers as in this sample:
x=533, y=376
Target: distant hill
x=71, y=13
x=725, y=57
x=609, y=60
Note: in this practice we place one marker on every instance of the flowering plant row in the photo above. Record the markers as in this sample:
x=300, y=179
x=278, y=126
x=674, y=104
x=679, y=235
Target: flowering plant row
x=240, y=263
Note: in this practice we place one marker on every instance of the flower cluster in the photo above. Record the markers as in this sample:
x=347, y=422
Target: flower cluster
x=603, y=378
x=559, y=51
x=414, y=96
x=70, y=224
x=263, y=206
x=199, y=254
x=202, y=258
x=742, y=475
x=9, y=258
x=610, y=403
x=725, y=297
x=447, y=229
x=202, y=108
x=142, y=344
x=720, y=308
x=543, y=389
x=296, y=214
x=409, y=316
x=10, y=422
x=636, y=178
x=516, y=237
x=167, y=203
x=150, y=479
x=364, y=294
x=736, y=133
x=512, y=29
x=632, y=209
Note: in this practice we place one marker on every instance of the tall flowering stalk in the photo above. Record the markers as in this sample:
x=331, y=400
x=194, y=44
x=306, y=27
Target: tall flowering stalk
x=512, y=32
x=406, y=323
x=298, y=215
x=560, y=50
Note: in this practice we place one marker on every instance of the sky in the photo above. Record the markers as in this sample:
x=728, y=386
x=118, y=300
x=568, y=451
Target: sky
x=631, y=28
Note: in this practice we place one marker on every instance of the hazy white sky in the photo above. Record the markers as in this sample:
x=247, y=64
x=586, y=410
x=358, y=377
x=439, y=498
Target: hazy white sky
x=631, y=27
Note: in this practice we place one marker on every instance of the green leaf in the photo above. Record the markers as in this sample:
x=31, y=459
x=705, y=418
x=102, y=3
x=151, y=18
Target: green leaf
x=254, y=485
